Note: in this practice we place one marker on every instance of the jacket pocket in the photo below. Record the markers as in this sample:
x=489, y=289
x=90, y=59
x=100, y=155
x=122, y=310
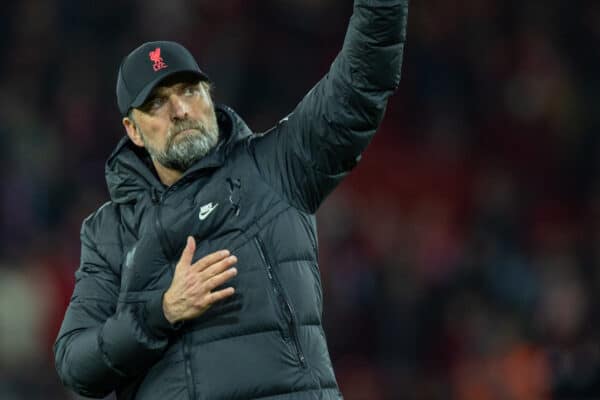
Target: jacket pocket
x=289, y=330
x=273, y=289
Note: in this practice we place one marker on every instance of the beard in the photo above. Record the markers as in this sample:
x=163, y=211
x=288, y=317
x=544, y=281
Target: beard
x=181, y=152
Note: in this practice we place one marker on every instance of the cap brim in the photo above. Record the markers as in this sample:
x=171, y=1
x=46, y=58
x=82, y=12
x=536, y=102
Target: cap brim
x=145, y=92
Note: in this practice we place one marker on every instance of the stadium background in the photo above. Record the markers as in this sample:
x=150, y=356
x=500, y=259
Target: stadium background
x=461, y=260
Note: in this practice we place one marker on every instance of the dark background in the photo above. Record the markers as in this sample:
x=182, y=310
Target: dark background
x=460, y=260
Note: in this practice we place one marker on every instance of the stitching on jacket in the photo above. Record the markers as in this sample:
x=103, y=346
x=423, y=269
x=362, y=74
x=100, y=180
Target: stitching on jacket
x=83, y=300
x=281, y=393
x=234, y=335
x=244, y=333
x=291, y=260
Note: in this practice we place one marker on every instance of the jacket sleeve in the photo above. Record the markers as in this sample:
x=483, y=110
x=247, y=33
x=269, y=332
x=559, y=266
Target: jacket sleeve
x=102, y=343
x=310, y=151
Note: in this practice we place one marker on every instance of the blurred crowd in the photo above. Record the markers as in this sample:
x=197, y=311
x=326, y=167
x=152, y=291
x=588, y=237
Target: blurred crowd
x=460, y=260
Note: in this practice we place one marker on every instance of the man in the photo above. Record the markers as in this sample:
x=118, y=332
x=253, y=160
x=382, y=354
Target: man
x=159, y=310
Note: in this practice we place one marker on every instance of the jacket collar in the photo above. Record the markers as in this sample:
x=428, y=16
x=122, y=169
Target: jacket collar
x=130, y=174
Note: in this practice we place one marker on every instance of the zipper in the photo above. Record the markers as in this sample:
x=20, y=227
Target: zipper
x=286, y=306
x=164, y=242
x=189, y=378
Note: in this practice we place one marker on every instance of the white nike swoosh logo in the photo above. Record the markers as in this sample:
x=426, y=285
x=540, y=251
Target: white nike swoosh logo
x=206, y=209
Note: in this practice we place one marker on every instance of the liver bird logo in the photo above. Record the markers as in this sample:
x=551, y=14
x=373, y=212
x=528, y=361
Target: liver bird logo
x=157, y=60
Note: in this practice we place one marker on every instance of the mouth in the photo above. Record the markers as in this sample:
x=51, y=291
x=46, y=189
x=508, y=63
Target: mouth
x=187, y=131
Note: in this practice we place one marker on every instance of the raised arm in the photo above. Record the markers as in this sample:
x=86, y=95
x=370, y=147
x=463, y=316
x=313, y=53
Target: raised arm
x=308, y=153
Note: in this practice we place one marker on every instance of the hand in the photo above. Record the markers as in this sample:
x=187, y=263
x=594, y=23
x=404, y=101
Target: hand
x=190, y=293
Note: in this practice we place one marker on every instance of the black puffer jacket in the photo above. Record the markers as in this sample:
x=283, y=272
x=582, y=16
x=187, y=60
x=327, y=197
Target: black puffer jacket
x=255, y=195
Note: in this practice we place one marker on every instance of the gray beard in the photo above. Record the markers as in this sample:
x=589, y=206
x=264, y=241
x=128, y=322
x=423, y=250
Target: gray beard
x=186, y=151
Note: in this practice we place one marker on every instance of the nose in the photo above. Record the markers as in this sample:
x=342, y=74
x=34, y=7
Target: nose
x=179, y=108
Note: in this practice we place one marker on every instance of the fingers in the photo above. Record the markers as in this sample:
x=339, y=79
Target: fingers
x=220, y=278
x=220, y=295
x=191, y=291
x=188, y=251
x=210, y=259
x=219, y=267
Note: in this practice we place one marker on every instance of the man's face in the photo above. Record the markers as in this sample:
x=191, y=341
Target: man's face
x=177, y=124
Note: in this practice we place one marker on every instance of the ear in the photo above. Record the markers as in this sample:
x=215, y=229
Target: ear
x=132, y=131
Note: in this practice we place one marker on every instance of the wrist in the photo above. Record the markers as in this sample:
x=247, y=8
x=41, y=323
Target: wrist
x=154, y=318
x=166, y=307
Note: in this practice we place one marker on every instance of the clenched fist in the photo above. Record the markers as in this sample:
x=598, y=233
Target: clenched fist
x=191, y=291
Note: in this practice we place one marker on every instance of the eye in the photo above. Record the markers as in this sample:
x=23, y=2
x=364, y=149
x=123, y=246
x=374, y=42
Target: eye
x=155, y=103
x=190, y=90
